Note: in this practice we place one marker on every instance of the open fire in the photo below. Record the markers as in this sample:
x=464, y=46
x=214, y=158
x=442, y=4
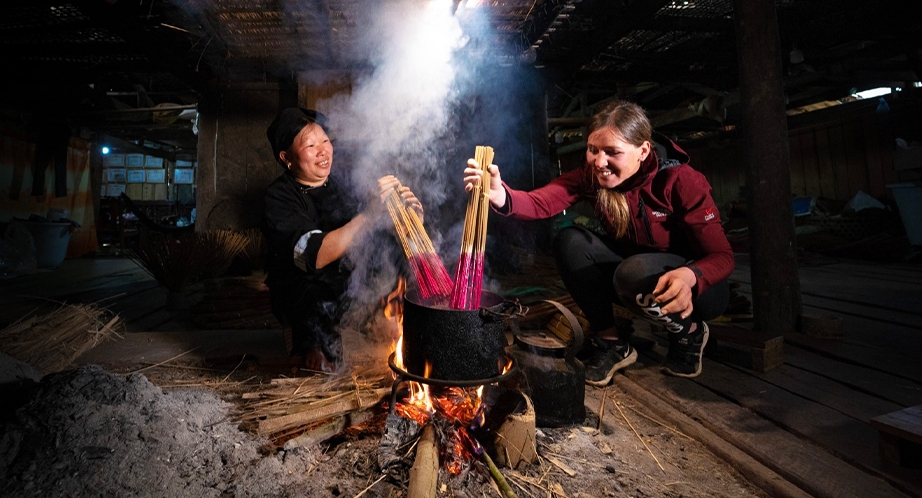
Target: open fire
x=456, y=413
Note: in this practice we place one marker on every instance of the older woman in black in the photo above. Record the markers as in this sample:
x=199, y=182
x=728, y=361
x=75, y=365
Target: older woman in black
x=309, y=226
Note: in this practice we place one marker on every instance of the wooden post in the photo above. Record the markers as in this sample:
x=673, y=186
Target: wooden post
x=775, y=281
x=206, y=186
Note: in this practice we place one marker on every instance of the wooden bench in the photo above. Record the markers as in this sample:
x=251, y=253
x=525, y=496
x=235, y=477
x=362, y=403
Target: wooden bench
x=900, y=437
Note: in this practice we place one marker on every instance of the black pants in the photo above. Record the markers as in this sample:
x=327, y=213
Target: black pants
x=597, y=277
x=313, y=312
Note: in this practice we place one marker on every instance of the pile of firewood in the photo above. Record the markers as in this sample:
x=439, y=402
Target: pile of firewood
x=314, y=406
x=52, y=342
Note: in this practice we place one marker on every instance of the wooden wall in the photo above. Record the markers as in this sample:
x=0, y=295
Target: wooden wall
x=235, y=163
x=835, y=152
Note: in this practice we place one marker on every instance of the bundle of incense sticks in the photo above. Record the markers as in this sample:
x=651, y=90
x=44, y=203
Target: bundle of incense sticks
x=432, y=279
x=469, y=274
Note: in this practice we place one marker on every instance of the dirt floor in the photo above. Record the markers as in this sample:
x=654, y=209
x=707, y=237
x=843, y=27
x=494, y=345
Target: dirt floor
x=174, y=430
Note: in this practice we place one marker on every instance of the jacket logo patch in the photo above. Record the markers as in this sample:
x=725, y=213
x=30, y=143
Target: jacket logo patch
x=708, y=214
x=658, y=214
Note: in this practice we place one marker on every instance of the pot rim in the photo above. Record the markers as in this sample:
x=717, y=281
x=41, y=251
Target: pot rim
x=488, y=300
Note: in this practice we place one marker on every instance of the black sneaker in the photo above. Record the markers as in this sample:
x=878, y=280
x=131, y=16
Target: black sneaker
x=608, y=358
x=685, y=351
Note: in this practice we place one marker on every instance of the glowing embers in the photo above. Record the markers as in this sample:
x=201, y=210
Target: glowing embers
x=455, y=413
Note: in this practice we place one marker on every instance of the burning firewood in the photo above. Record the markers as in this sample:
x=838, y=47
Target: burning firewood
x=291, y=405
x=321, y=411
x=399, y=433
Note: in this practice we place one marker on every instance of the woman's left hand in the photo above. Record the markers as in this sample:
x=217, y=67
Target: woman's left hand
x=387, y=185
x=410, y=200
x=675, y=289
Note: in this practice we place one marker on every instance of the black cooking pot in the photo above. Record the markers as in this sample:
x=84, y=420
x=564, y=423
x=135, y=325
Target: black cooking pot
x=457, y=344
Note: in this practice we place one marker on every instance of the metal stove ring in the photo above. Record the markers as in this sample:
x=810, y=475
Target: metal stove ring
x=403, y=376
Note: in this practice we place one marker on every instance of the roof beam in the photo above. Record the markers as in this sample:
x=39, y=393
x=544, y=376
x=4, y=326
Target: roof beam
x=688, y=24
x=615, y=20
x=124, y=19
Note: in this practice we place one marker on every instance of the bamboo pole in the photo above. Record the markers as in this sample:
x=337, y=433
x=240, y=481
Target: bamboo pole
x=498, y=477
x=424, y=475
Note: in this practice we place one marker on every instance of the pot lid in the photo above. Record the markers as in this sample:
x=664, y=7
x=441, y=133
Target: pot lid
x=541, y=341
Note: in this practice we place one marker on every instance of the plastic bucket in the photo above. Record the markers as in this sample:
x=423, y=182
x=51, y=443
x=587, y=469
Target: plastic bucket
x=51, y=240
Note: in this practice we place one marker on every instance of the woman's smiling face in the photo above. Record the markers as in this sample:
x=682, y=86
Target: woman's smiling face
x=310, y=156
x=612, y=159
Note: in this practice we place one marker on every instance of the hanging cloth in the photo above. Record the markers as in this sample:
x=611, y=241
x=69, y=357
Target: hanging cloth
x=51, y=147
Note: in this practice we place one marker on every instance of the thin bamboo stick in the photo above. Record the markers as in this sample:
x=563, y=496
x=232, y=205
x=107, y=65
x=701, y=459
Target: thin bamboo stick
x=430, y=274
x=469, y=273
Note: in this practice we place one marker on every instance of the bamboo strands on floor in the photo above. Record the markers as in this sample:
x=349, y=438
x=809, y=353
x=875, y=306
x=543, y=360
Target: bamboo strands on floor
x=432, y=279
x=469, y=273
x=52, y=342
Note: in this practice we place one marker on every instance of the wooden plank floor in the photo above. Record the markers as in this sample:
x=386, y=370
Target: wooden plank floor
x=807, y=420
x=823, y=396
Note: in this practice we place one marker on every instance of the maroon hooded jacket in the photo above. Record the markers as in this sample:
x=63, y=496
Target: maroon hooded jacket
x=670, y=204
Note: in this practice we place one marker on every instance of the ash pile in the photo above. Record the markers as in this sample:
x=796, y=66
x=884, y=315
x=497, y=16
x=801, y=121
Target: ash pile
x=90, y=432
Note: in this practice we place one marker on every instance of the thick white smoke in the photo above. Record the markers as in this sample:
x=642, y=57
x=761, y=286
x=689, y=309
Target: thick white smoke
x=396, y=114
x=396, y=118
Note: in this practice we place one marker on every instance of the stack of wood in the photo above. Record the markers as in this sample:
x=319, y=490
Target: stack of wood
x=546, y=316
x=316, y=407
x=52, y=342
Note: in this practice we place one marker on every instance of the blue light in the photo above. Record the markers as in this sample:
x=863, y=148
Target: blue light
x=105, y=150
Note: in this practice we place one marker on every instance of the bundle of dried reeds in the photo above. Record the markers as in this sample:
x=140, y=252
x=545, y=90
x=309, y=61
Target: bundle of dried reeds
x=177, y=261
x=52, y=342
x=223, y=245
x=288, y=406
x=255, y=249
x=426, y=266
x=469, y=274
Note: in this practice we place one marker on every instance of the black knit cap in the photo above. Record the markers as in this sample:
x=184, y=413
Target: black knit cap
x=286, y=126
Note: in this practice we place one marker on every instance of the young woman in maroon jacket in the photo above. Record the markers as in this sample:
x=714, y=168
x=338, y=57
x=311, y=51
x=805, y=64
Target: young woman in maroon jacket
x=664, y=257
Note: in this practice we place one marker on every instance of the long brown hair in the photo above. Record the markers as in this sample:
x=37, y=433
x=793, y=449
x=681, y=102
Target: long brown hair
x=630, y=121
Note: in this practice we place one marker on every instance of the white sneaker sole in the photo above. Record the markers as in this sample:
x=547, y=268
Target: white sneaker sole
x=704, y=342
x=626, y=362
